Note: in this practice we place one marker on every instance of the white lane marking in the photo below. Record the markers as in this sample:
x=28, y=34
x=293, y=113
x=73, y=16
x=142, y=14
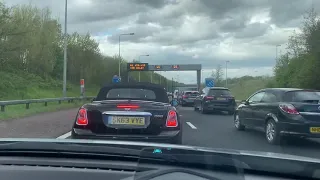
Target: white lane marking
x=180, y=115
x=65, y=136
x=191, y=125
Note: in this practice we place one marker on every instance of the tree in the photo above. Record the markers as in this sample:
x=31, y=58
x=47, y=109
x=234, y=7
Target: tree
x=299, y=66
x=32, y=42
x=218, y=76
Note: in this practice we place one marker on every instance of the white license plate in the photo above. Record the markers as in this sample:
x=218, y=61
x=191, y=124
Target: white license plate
x=127, y=120
x=222, y=99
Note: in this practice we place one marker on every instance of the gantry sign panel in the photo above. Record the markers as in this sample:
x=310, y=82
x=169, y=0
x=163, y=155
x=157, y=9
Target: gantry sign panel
x=167, y=67
x=138, y=66
x=175, y=67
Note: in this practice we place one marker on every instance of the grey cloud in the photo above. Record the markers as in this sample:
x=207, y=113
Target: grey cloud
x=253, y=30
x=172, y=18
x=96, y=10
x=235, y=23
x=171, y=37
x=140, y=32
x=102, y=10
x=285, y=13
x=218, y=9
x=209, y=63
x=155, y=3
x=231, y=14
x=214, y=9
x=188, y=41
x=227, y=16
x=97, y=27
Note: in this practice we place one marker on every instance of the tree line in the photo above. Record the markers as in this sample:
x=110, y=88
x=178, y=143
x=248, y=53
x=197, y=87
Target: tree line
x=31, y=41
x=300, y=66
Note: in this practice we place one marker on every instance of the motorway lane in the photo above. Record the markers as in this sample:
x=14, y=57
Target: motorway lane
x=217, y=131
x=207, y=130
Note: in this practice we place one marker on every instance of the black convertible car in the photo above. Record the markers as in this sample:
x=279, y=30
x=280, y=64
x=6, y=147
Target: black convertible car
x=129, y=111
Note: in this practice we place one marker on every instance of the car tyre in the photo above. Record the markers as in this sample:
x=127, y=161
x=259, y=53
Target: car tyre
x=237, y=123
x=230, y=112
x=203, y=111
x=271, y=132
x=195, y=108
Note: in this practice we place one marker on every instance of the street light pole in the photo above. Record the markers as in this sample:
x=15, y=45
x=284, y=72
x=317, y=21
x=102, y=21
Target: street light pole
x=172, y=87
x=227, y=74
x=140, y=61
x=277, y=52
x=119, y=58
x=64, y=91
x=128, y=34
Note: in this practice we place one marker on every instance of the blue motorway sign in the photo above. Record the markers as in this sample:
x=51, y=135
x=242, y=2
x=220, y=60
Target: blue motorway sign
x=116, y=79
x=174, y=103
x=209, y=82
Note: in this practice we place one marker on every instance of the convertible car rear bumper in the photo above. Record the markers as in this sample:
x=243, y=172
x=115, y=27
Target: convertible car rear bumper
x=173, y=137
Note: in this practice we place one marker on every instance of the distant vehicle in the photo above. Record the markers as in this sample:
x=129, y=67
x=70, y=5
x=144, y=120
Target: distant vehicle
x=134, y=111
x=215, y=99
x=188, y=97
x=281, y=112
x=175, y=94
x=170, y=96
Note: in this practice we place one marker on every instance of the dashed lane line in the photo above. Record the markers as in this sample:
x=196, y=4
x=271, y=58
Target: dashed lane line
x=191, y=125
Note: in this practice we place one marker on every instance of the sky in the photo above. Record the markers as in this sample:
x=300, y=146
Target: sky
x=207, y=32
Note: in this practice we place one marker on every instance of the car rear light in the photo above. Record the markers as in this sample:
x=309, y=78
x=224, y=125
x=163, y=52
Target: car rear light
x=208, y=97
x=288, y=108
x=129, y=106
x=172, y=119
x=82, y=118
x=184, y=96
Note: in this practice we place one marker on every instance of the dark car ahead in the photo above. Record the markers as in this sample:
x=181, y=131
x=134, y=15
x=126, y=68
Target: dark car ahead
x=188, y=97
x=215, y=99
x=281, y=112
x=137, y=111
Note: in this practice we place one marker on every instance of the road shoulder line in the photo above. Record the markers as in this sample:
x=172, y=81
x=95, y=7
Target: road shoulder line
x=65, y=136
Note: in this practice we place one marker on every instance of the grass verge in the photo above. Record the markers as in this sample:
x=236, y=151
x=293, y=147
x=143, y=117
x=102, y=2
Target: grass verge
x=18, y=111
x=243, y=89
x=22, y=85
x=17, y=86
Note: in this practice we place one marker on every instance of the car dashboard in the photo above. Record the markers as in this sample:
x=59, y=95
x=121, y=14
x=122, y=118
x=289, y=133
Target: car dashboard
x=53, y=168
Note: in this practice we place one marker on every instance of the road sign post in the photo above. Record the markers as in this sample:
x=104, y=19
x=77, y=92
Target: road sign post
x=82, y=88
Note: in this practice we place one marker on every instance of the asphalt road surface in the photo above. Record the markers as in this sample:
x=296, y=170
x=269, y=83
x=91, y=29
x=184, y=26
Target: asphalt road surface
x=209, y=130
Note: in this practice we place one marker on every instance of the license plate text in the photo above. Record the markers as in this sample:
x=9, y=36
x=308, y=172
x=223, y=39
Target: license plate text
x=315, y=129
x=128, y=120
